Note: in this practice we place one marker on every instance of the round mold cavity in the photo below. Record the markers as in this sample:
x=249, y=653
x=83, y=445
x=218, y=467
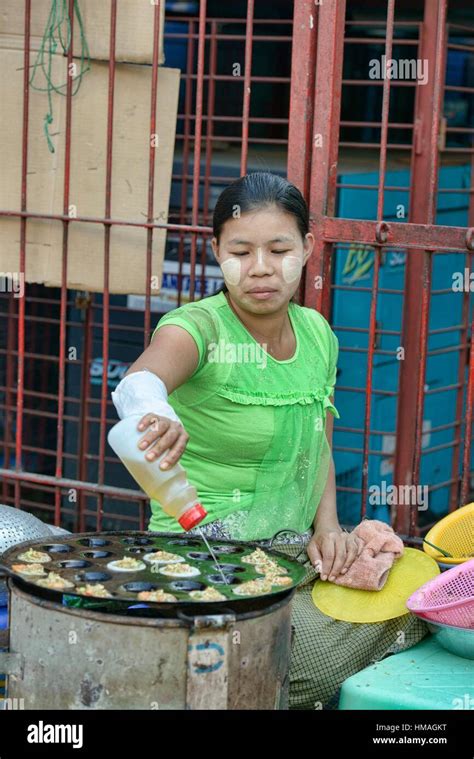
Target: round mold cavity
x=137, y=587
x=93, y=542
x=186, y=585
x=137, y=550
x=74, y=564
x=93, y=576
x=230, y=579
x=162, y=562
x=110, y=565
x=232, y=568
x=56, y=548
x=228, y=549
x=183, y=542
x=200, y=556
x=136, y=541
x=191, y=572
x=96, y=554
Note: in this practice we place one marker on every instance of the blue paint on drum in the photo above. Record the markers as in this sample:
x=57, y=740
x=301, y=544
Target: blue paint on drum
x=205, y=669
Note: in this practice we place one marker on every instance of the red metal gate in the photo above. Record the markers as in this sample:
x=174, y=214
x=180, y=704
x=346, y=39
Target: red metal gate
x=314, y=141
x=314, y=146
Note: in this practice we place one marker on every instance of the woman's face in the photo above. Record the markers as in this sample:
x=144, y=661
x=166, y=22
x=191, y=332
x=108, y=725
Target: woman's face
x=261, y=255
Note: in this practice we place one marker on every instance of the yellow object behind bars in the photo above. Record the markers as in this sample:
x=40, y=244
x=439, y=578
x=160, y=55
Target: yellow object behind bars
x=454, y=534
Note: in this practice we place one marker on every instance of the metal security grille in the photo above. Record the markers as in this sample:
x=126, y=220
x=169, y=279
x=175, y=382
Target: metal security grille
x=417, y=149
x=385, y=163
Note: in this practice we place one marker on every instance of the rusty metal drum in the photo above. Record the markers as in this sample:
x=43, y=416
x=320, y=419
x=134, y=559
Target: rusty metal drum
x=68, y=658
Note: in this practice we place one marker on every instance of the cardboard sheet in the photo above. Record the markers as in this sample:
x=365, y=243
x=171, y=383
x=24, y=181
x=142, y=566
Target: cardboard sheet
x=45, y=180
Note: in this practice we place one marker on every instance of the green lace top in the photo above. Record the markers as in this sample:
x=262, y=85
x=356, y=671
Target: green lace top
x=257, y=450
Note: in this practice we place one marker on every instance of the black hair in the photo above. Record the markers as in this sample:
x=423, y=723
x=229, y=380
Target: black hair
x=257, y=190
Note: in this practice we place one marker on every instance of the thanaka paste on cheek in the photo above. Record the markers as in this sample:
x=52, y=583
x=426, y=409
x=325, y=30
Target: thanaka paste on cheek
x=291, y=267
x=231, y=269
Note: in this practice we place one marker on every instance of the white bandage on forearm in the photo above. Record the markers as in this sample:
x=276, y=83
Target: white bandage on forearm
x=142, y=393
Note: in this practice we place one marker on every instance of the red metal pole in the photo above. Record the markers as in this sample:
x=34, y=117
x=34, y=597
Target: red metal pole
x=83, y=413
x=197, y=142
x=188, y=95
x=211, y=96
x=327, y=107
x=247, y=87
x=151, y=170
x=21, y=300
x=424, y=173
x=302, y=90
x=107, y=230
x=9, y=394
x=375, y=278
x=63, y=303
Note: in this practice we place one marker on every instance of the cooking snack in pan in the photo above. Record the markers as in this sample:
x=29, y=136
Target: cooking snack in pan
x=30, y=570
x=163, y=557
x=179, y=570
x=127, y=564
x=256, y=557
x=95, y=591
x=55, y=582
x=157, y=596
x=254, y=587
x=208, y=594
x=36, y=557
x=281, y=580
x=151, y=568
x=270, y=568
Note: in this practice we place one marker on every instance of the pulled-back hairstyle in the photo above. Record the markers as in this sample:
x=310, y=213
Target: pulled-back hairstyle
x=259, y=190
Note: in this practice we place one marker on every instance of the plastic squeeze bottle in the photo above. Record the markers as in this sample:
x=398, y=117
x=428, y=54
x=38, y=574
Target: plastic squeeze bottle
x=170, y=487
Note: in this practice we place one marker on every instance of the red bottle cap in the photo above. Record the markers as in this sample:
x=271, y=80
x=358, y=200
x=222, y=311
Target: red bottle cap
x=192, y=516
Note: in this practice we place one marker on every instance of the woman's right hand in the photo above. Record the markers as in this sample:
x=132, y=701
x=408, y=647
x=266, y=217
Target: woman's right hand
x=162, y=434
x=332, y=551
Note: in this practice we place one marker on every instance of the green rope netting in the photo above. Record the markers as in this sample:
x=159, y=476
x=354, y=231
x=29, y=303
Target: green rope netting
x=58, y=32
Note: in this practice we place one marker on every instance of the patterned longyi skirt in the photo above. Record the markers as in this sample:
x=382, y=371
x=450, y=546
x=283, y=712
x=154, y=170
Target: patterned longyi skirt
x=326, y=651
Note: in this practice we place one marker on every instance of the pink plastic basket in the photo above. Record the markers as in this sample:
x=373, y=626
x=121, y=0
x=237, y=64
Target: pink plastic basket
x=448, y=599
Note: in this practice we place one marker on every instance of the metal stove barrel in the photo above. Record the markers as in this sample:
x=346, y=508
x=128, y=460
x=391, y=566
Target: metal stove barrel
x=65, y=658
x=225, y=655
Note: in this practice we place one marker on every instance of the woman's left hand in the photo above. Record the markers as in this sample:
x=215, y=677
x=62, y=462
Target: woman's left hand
x=332, y=551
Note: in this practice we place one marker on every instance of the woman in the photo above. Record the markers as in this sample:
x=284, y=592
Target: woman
x=250, y=376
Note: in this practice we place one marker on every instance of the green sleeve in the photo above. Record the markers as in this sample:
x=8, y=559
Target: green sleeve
x=329, y=344
x=179, y=321
x=199, y=323
x=333, y=356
